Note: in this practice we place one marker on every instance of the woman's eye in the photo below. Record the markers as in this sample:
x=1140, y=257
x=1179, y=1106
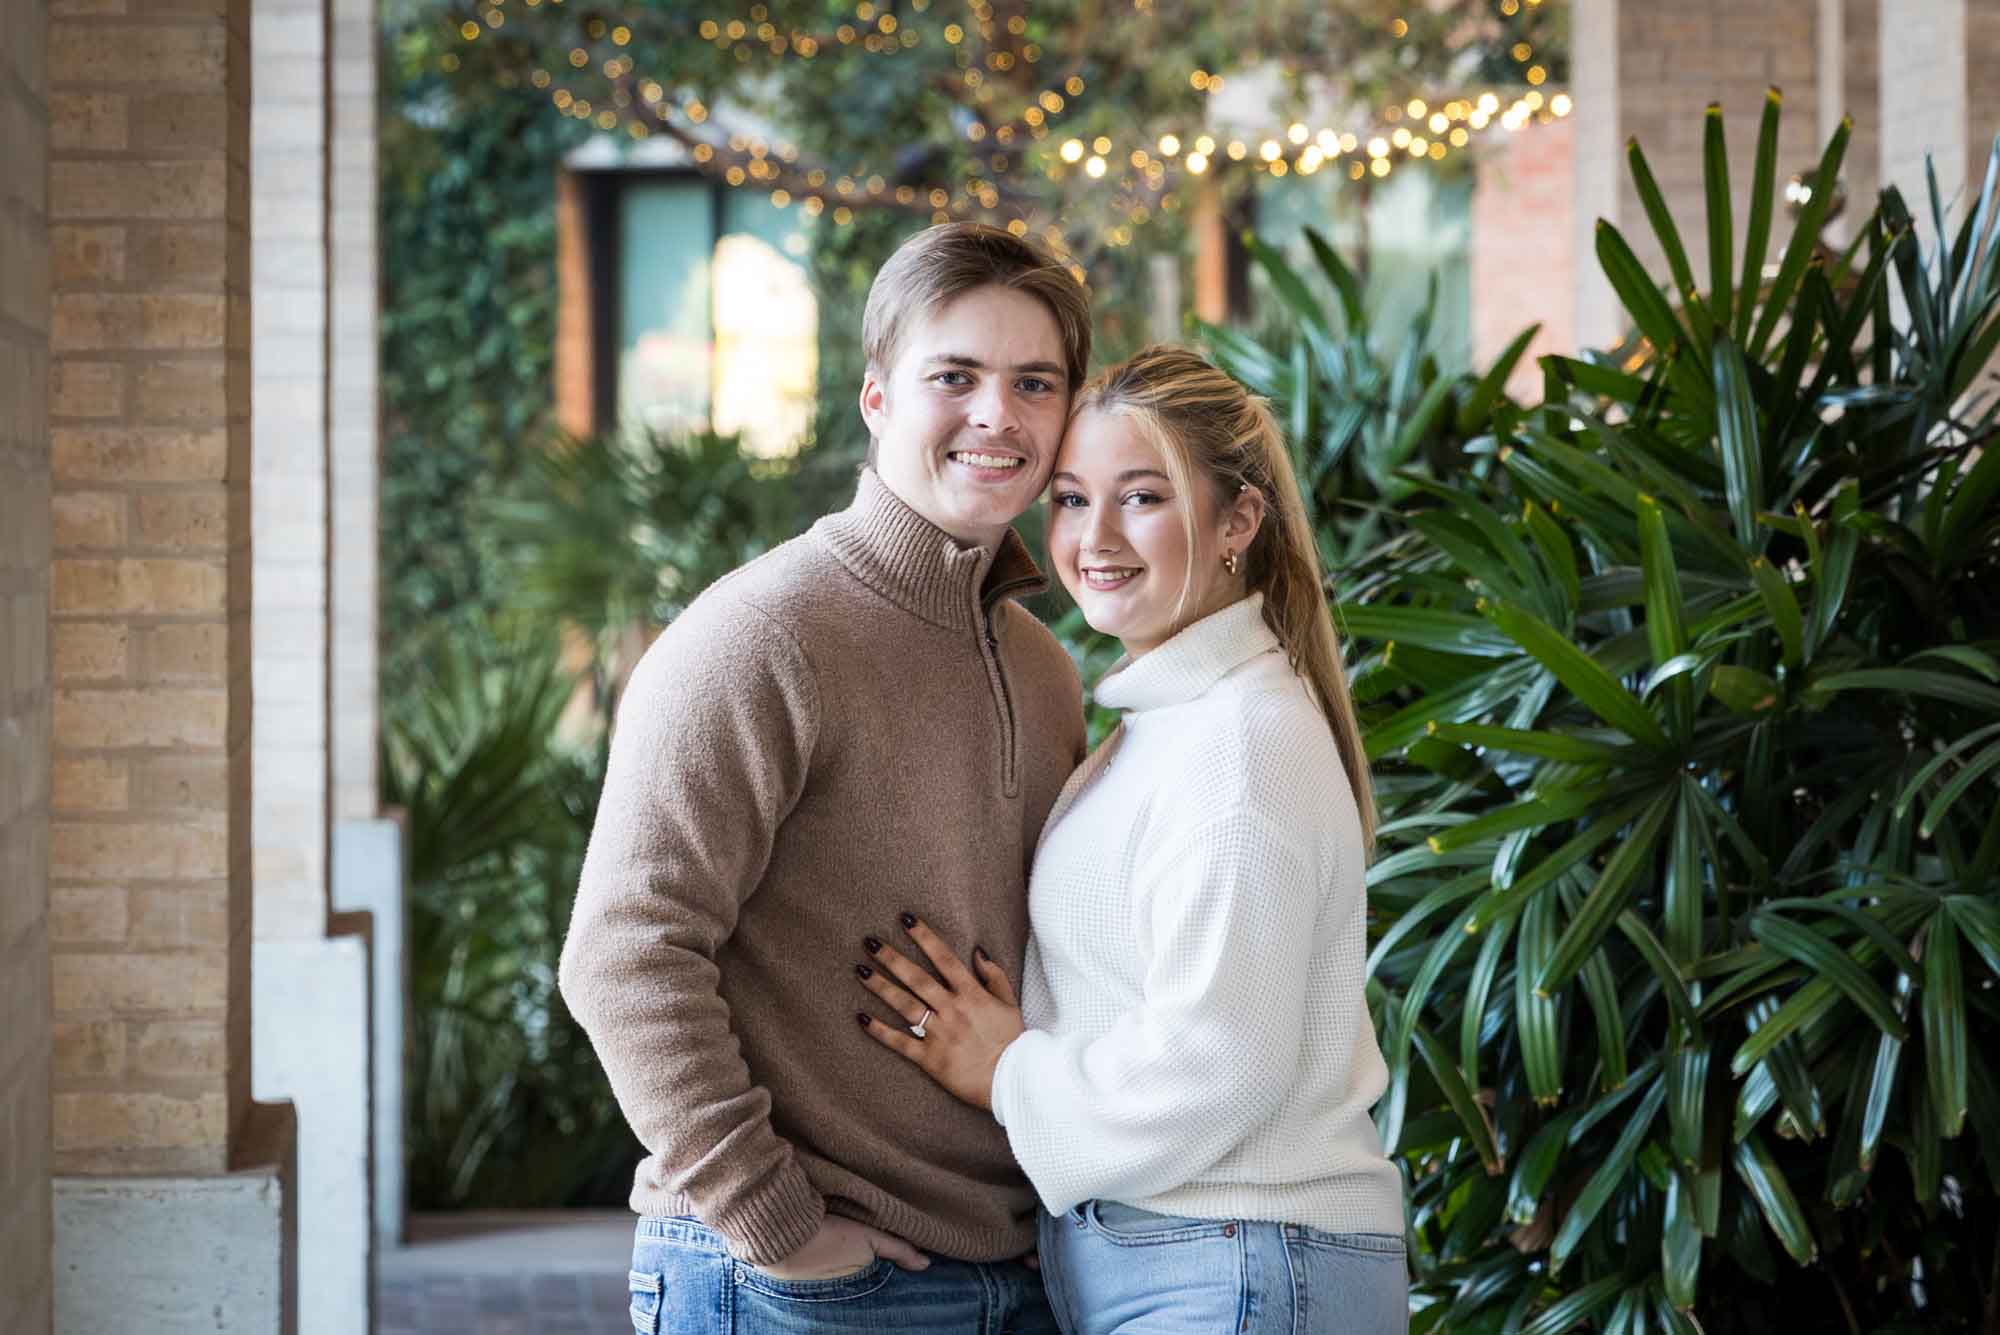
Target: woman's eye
x=1068, y=500
x=1142, y=498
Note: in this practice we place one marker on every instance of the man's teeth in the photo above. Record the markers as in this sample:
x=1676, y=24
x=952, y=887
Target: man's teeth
x=988, y=460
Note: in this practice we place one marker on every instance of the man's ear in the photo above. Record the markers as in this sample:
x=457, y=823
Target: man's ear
x=874, y=402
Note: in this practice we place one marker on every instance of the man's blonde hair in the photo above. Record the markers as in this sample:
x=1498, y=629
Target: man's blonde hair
x=943, y=262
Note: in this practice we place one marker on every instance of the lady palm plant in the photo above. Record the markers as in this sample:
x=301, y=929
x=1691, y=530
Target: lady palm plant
x=1362, y=404
x=1688, y=716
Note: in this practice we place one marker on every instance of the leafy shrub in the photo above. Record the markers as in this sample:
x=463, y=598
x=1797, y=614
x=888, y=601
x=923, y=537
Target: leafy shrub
x=506, y=1104
x=1688, y=715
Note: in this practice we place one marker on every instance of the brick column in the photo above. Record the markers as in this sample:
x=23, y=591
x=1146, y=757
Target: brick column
x=1658, y=67
x=288, y=408
x=150, y=845
x=1925, y=99
x=26, y=1305
x=1851, y=77
x=355, y=426
x=1982, y=50
x=1597, y=160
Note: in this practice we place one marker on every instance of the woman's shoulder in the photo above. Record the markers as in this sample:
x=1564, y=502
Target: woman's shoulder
x=1257, y=745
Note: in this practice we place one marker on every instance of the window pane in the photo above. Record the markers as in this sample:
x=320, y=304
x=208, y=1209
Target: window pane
x=665, y=238
x=766, y=325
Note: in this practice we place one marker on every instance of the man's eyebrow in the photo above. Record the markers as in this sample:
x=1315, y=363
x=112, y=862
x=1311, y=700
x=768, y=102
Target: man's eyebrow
x=974, y=364
x=1126, y=476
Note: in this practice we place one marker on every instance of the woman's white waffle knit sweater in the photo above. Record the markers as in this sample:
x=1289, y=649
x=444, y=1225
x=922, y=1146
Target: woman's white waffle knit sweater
x=1198, y=1043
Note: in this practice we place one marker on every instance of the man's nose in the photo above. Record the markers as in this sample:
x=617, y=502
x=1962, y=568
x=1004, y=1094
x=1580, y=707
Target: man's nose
x=994, y=409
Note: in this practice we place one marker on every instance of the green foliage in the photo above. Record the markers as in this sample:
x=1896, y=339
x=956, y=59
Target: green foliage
x=506, y=1103
x=979, y=104
x=615, y=537
x=1368, y=412
x=1687, y=712
x=468, y=321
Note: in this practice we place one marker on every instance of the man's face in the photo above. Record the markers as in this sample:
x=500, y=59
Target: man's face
x=967, y=422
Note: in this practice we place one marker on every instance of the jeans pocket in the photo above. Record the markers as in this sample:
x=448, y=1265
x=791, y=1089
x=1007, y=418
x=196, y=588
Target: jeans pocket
x=1377, y=1244
x=842, y=1288
x=1129, y=1226
x=1350, y=1283
x=648, y=1297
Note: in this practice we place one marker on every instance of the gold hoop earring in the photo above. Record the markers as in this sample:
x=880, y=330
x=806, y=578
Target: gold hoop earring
x=1231, y=562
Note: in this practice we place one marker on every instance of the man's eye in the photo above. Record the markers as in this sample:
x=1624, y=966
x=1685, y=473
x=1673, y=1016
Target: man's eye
x=1037, y=385
x=952, y=378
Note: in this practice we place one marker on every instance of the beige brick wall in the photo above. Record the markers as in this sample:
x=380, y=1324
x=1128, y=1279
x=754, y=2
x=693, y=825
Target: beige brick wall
x=1523, y=262
x=149, y=861
x=288, y=416
x=356, y=411
x=1676, y=59
x=25, y=1223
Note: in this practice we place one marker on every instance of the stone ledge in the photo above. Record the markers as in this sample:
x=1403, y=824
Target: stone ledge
x=174, y=1255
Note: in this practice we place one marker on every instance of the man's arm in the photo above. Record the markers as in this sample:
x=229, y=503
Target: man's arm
x=713, y=739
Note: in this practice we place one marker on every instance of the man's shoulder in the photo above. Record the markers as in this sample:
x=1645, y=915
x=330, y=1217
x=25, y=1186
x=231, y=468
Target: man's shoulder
x=782, y=588
x=750, y=620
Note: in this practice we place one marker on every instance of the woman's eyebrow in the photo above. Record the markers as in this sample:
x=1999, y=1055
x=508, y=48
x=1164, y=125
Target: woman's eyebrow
x=1126, y=476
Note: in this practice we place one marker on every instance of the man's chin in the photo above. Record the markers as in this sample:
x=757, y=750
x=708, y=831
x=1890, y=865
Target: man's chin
x=992, y=506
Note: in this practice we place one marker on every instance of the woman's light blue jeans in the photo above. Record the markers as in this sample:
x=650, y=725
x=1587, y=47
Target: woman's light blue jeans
x=1112, y=1268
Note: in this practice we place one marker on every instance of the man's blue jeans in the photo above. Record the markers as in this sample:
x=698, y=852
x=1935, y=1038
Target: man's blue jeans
x=684, y=1282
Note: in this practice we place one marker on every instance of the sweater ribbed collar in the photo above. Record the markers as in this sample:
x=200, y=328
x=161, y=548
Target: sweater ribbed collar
x=918, y=566
x=1190, y=663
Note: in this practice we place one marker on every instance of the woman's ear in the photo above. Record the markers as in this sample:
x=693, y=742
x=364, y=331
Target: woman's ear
x=1242, y=517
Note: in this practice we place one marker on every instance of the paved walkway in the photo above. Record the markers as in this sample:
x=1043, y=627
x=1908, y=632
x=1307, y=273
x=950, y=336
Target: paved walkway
x=543, y=1272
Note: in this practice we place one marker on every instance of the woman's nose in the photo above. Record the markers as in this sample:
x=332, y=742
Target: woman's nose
x=1100, y=531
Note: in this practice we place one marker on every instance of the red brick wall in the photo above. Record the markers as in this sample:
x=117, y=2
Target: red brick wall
x=1523, y=252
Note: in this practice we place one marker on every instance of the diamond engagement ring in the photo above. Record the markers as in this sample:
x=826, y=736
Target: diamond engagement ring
x=918, y=1027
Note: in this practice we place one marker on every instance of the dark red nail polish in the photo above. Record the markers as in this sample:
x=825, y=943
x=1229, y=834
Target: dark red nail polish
x=909, y=921
x=863, y=1019
x=864, y=971
x=874, y=946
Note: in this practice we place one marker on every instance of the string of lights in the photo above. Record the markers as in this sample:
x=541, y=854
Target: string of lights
x=1146, y=174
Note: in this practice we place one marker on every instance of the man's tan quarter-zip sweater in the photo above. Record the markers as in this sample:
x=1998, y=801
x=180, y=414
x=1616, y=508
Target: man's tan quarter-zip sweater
x=860, y=723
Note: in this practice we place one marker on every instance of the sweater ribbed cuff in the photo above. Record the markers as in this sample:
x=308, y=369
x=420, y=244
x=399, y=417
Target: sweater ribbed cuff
x=1006, y=1076
x=768, y=1224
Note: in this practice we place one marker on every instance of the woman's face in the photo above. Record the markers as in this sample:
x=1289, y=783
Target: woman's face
x=1118, y=535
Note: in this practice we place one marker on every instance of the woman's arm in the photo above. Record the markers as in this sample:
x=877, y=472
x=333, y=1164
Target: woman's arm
x=1226, y=916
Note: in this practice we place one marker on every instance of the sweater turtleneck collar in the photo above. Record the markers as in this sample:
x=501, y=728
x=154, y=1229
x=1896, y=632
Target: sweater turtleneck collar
x=1190, y=663
x=918, y=566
